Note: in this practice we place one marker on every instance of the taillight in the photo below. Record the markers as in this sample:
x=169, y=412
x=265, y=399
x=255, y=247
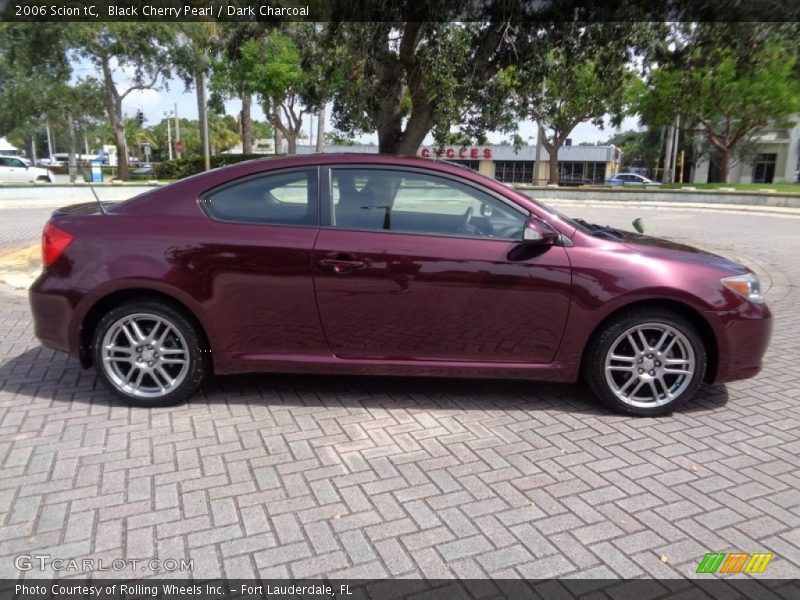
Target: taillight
x=54, y=241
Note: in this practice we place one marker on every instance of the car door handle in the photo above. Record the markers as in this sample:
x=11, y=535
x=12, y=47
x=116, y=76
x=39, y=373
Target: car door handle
x=342, y=266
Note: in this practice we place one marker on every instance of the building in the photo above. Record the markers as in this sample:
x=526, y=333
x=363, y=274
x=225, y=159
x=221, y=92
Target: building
x=777, y=160
x=586, y=164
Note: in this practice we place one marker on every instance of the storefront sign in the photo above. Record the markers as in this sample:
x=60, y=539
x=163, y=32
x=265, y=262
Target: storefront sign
x=462, y=153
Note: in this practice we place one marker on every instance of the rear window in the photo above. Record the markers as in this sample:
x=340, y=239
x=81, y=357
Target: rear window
x=288, y=198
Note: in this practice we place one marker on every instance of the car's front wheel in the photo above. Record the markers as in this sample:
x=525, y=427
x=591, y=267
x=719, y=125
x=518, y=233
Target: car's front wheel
x=149, y=353
x=646, y=362
x=44, y=179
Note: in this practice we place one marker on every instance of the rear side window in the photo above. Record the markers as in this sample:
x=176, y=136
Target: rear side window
x=288, y=198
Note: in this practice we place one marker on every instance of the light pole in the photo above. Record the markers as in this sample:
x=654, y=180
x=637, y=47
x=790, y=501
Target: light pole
x=168, y=115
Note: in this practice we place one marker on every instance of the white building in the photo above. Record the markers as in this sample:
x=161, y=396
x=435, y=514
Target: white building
x=587, y=164
x=777, y=160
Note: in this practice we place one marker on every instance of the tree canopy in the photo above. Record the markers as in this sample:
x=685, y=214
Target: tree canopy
x=725, y=82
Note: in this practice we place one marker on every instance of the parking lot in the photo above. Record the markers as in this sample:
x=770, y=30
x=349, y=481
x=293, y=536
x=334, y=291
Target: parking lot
x=310, y=476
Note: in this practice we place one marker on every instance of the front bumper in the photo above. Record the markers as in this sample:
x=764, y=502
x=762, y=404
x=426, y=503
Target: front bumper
x=742, y=336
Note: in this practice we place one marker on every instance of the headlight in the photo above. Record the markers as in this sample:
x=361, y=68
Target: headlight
x=746, y=285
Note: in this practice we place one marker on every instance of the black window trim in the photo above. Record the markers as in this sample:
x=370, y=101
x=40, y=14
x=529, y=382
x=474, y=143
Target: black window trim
x=204, y=197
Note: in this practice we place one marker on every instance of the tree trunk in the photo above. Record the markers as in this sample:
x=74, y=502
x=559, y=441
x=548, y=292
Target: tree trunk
x=278, y=140
x=553, y=179
x=73, y=168
x=247, y=128
x=291, y=141
x=725, y=165
x=321, y=129
x=113, y=103
x=123, y=172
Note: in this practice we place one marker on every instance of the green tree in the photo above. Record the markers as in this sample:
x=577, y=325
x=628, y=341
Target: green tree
x=725, y=82
x=230, y=79
x=273, y=71
x=403, y=76
x=197, y=45
x=33, y=61
x=567, y=73
x=142, y=48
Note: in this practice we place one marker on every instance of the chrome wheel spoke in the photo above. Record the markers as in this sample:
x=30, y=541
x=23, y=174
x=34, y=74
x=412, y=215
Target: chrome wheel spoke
x=139, y=378
x=120, y=349
x=660, y=343
x=165, y=377
x=645, y=345
x=637, y=388
x=140, y=337
x=627, y=384
x=129, y=334
x=628, y=359
x=172, y=351
x=632, y=342
x=162, y=338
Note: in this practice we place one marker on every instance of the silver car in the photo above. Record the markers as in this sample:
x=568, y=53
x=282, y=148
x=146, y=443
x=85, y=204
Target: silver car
x=630, y=179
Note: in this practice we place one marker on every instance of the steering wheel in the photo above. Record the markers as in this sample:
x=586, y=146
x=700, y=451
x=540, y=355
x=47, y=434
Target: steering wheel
x=465, y=220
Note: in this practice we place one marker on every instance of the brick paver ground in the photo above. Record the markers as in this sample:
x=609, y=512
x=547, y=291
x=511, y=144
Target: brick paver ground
x=292, y=476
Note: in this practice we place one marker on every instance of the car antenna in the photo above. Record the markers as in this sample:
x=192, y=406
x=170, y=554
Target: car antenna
x=96, y=197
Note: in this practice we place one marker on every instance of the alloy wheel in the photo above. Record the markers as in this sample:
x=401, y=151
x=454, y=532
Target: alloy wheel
x=650, y=365
x=145, y=355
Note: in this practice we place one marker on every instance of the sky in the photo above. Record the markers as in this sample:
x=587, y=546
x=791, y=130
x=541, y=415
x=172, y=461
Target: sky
x=155, y=104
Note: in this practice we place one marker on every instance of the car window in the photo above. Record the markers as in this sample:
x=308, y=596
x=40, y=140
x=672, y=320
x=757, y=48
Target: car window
x=410, y=202
x=3, y=161
x=288, y=198
x=15, y=162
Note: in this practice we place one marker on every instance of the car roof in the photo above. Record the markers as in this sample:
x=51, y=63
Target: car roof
x=200, y=183
x=267, y=163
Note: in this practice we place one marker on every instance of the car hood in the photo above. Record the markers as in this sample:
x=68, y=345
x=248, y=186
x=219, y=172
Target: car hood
x=667, y=249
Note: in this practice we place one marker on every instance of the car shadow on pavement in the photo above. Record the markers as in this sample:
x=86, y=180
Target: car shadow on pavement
x=47, y=375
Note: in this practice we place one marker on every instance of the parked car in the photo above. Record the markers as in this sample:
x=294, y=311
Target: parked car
x=630, y=179
x=373, y=264
x=14, y=169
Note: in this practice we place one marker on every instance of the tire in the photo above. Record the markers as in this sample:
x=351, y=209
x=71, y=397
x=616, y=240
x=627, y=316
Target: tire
x=645, y=362
x=44, y=179
x=149, y=354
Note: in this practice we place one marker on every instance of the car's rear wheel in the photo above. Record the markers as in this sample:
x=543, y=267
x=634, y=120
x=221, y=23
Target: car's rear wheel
x=149, y=353
x=43, y=179
x=646, y=362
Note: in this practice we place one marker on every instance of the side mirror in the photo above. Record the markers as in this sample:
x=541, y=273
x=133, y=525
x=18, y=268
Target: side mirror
x=538, y=233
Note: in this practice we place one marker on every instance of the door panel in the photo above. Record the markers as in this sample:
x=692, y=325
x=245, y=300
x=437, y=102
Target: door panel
x=441, y=298
x=259, y=266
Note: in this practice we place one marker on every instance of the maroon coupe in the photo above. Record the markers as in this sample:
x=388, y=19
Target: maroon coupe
x=371, y=264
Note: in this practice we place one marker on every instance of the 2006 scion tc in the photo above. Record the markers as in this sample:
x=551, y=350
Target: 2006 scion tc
x=370, y=264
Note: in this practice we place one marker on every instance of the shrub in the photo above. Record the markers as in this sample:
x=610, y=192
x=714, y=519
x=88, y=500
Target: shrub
x=183, y=167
